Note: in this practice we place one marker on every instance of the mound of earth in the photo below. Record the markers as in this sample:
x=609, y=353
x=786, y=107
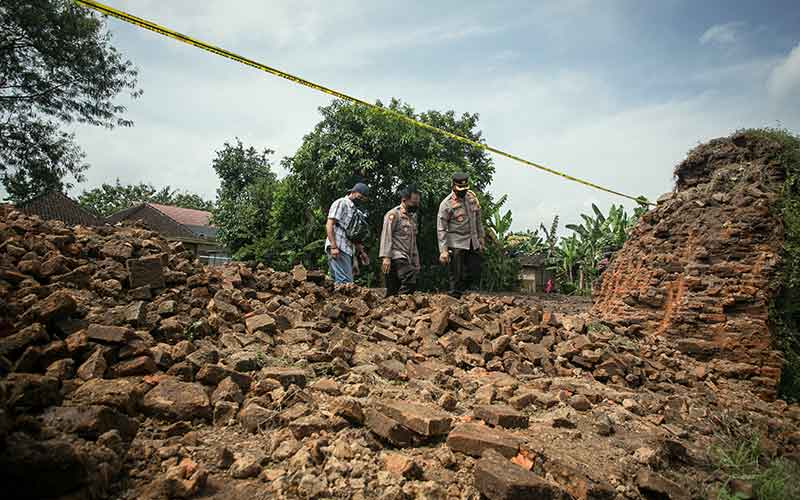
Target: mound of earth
x=130, y=371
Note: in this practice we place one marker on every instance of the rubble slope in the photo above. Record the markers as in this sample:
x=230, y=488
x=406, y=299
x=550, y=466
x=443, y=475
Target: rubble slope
x=130, y=371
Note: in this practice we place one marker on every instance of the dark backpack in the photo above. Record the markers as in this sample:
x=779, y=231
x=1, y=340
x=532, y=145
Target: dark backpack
x=358, y=228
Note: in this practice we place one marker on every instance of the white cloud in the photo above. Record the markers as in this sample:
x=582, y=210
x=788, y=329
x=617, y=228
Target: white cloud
x=722, y=34
x=627, y=135
x=282, y=23
x=784, y=81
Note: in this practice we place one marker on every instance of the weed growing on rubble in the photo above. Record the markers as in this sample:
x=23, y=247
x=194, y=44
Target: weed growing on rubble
x=785, y=311
x=737, y=455
x=596, y=326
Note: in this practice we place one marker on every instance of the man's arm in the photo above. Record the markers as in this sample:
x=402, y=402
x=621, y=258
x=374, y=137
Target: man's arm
x=386, y=236
x=481, y=230
x=331, y=237
x=385, y=252
x=442, y=223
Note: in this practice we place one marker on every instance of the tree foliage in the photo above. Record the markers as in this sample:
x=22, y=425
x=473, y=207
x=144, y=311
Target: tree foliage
x=577, y=258
x=245, y=195
x=108, y=199
x=353, y=143
x=500, y=270
x=57, y=67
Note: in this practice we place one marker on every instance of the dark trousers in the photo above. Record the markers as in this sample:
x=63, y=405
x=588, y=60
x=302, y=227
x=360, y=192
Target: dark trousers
x=464, y=270
x=402, y=278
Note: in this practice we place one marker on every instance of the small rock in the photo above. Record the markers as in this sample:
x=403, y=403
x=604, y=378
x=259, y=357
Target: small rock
x=473, y=439
x=246, y=466
x=147, y=271
x=415, y=416
x=499, y=479
x=388, y=428
x=142, y=365
x=633, y=406
x=653, y=484
x=109, y=334
x=391, y=369
x=646, y=456
x=225, y=412
x=286, y=376
x=501, y=415
x=224, y=458
x=401, y=465
x=177, y=400
x=604, y=425
x=261, y=323
x=349, y=409
x=327, y=385
x=580, y=402
x=306, y=426
x=447, y=402
x=227, y=390
x=254, y=416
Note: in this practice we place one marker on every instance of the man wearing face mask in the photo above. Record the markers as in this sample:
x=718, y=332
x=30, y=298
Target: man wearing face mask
x=461, y=236
x=398, y=252
x=338, y=246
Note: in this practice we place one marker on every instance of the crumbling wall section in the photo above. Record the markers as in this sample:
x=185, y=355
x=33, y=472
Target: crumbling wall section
x=701, y=266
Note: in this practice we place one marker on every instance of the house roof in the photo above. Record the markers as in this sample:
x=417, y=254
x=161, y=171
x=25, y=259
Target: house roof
x=185, y=216
x=170, y=220
x=56, y=205
x=528, y=260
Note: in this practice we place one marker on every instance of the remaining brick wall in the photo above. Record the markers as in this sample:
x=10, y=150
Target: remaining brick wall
x=700, y=268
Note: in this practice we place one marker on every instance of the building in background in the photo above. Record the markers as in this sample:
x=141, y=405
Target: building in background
x=55, y=205
x=533, y=273
x=191, y=227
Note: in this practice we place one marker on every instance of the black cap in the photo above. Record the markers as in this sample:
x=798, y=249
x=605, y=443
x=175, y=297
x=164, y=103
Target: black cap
x=460, y=181
x=361, y=188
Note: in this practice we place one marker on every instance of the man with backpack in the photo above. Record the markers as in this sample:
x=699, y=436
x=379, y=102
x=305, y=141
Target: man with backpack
x=400, y=258
x=346, y=229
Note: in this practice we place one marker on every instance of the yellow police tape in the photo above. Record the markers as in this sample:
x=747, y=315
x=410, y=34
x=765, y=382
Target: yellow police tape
x=142, y=23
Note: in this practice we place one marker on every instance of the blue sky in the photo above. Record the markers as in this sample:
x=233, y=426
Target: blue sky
x=613, y=91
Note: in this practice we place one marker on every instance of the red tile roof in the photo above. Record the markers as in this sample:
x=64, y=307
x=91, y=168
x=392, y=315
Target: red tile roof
x=186, y=216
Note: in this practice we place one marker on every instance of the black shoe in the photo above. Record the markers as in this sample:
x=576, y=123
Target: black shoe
x=455, y=295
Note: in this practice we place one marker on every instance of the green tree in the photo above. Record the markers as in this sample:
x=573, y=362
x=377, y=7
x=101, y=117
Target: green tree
x=577, y=258
x=108, y=199
x=244, y=198
x=57, y=67
x=500, y=270
x=352, y=143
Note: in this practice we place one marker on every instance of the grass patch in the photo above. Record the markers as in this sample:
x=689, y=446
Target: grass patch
x=596, y=326
x=737, y=456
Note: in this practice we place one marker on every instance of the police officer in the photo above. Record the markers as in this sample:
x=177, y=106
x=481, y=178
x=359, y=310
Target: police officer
x=461, y=235
x=398, y=252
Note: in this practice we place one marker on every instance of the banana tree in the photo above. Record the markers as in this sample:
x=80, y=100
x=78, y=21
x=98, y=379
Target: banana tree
x=498, y=223
x=568, y=255
x=500, y=270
